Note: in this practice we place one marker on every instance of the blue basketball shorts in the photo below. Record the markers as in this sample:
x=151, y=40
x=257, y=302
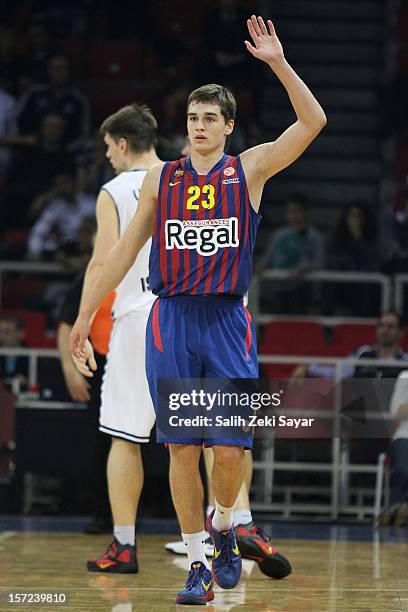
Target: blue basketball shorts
x=199, y=337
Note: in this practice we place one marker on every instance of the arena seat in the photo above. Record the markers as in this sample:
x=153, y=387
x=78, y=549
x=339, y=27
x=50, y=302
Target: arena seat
x=290, y=338
x=36, y=323
x=349, y=336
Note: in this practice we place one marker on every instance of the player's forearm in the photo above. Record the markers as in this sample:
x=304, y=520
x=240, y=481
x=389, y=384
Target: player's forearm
x=307, y=108
x=104, y=279
x=90, y=278
x=64, y=331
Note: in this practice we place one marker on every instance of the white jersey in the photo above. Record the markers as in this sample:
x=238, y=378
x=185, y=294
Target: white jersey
x=133, y=293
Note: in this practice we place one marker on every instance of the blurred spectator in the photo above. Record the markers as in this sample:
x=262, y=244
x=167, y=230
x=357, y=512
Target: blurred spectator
x=38, y=52
x=12, y=332
x=33, y=170
x=353, y=247
x=76, y=255
x=390, y=331
x=59, y=224
x=58, y=95
x=298, y=248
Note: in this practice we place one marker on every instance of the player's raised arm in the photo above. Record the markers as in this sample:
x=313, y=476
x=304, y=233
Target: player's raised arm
x=263, y=161
x=119, y=260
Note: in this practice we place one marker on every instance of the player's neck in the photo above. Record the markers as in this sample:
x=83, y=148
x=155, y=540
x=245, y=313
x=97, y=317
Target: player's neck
x=202, y=163
x=137, y=161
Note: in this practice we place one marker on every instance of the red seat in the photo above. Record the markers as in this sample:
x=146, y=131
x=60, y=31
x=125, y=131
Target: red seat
x=35, y=325
x=291, y=338
x=349, y=336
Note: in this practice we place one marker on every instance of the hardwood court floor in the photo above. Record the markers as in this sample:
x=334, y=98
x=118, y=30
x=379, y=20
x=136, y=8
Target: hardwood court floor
x=327, y=576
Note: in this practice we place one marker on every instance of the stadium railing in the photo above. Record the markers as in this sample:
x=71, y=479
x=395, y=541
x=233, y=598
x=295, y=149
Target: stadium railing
x=321, y=276
x=339, y=467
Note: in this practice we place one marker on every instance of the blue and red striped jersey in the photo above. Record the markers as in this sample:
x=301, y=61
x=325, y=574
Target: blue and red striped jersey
x=204, y=231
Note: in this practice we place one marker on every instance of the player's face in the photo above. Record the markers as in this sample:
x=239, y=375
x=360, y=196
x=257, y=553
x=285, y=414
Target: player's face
x=115, y=152
x=206, y=127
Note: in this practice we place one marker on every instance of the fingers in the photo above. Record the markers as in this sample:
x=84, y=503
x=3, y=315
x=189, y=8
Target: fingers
x=82, y=366
x=250, y=48
x=92, y=362
x=256, y=25
x=271, y=28
x=251, y=30
x=262, y=26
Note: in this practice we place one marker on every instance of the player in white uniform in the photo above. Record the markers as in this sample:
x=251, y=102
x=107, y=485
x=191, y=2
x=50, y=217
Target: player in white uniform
x=126, y=408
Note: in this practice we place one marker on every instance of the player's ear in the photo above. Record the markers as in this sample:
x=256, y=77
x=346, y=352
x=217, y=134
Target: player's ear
x=229, y=126
x=123, y=145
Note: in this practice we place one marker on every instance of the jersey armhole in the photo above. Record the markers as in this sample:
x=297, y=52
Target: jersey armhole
x=115, y=204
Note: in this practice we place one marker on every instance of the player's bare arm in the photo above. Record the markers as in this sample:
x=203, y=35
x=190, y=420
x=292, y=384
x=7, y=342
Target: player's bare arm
x=107, y=235
x=263, y=161
x=119, y=260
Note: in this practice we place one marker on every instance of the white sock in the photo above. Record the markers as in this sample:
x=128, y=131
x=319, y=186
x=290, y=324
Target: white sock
x=208, y=510
x=242, y=517
x=222, y=518
x=195, y=547
x=125, y=534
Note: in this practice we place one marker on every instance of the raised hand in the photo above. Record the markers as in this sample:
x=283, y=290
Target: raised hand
x=267, y=45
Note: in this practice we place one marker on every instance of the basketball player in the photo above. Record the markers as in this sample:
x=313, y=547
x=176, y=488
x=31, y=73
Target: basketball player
x=203, y=214
x=127, y=413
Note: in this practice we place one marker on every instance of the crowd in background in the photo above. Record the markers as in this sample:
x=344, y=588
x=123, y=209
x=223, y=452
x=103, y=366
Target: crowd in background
x=52, y=161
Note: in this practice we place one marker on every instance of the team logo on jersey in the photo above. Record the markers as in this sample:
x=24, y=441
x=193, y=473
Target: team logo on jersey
x=230, y=181
x=206, y=236
x=179, y=173
x=229, y=171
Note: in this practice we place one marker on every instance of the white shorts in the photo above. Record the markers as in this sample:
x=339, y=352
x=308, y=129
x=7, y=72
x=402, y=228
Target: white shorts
x=126, y=406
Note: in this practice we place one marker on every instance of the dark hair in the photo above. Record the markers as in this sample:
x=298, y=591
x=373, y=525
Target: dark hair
x=215, y=94
x=136, y=124
x=16, y=319
x=397, y=315
x=341, y=236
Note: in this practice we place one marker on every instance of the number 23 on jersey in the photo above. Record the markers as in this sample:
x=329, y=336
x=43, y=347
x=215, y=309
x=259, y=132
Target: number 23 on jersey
x=206, y=192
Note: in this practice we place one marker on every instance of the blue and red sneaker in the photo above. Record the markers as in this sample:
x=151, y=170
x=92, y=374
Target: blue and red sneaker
x=254, y=544
x=226, y=563
x=199, y=586
x=119, y=558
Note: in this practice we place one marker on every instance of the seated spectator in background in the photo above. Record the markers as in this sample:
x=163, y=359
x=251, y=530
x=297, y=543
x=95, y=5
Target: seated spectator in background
x=30, y=179
x=353, y=247
x=61, y=219
x=58, y=95
x=38, y=52
x=76, y=255
x=12, y=332
x=297, y=248
x=397, y=513
x=390, y=331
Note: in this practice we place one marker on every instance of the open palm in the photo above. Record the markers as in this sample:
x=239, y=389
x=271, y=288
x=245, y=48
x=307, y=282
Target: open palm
x=267, y=45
